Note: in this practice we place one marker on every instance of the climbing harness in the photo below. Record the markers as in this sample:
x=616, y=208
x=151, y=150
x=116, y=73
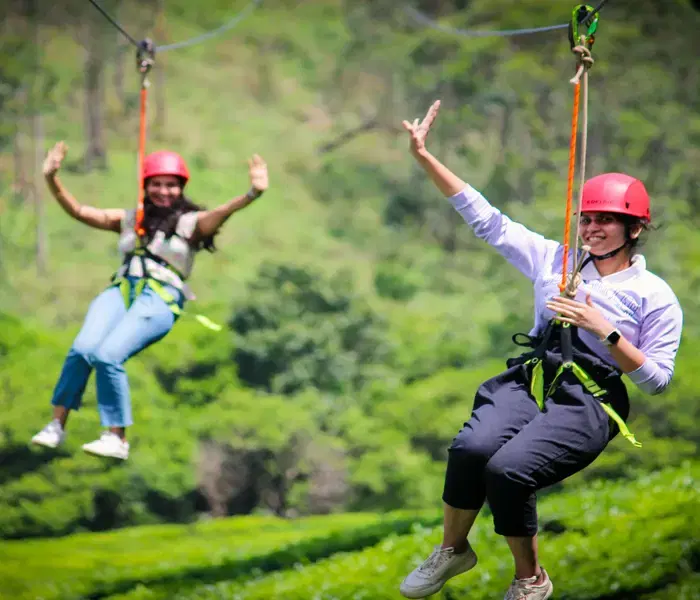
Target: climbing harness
x=534, y=361
x=582, y=29
x=145, y=60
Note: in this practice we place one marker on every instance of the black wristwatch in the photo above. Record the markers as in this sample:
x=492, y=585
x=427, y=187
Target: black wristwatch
x=612, y=338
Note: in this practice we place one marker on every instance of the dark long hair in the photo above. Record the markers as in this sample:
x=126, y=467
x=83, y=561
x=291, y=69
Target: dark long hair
x=165, y=218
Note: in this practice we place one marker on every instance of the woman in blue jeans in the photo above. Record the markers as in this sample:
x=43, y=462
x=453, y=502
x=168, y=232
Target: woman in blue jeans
x=147, y=292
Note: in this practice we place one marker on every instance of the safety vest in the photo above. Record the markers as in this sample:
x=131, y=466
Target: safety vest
x=151, y=264
x=169, y=260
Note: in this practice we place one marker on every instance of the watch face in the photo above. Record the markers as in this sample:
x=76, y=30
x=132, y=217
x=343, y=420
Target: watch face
x=614, y=337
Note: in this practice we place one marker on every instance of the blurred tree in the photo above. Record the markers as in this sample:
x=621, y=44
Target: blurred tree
x=298, y=329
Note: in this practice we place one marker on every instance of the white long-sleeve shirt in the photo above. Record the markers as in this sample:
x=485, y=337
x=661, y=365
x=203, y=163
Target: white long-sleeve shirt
x=640, y=304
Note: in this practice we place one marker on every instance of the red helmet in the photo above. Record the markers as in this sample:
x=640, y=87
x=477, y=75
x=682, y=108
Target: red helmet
x=165, y=162
x=616, y=193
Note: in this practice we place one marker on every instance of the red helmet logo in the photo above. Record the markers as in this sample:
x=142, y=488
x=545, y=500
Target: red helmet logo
x=616, y=193
x=165, y=162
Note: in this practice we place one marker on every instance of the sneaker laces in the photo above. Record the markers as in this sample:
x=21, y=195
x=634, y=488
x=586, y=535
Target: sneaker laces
x=52, y=427
x=436, y=559
x=109, y=436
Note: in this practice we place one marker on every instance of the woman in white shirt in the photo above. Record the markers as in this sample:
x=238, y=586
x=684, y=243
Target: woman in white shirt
x=520, y=438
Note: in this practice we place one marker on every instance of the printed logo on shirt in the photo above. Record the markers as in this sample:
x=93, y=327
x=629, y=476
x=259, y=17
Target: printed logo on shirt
x=628, y=304
x=624, y=302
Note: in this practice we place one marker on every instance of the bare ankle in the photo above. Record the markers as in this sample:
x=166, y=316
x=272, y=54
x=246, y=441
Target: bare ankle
x=458, y=547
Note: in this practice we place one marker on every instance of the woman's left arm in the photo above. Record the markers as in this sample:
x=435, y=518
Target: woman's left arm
x=209, y=221
x=659, y=341
x=651, y=365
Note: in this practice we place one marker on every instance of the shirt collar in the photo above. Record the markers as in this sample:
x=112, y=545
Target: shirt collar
x=638, y=265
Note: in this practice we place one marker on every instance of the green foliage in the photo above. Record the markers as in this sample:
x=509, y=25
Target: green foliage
x=171, y=558
x=611, y=540
x=300, y=331
x=396, y=282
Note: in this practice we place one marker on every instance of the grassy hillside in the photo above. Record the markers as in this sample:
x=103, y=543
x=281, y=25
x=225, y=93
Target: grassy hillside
x=597, y=543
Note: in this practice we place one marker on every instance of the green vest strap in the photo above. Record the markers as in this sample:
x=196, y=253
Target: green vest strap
x=158, y=288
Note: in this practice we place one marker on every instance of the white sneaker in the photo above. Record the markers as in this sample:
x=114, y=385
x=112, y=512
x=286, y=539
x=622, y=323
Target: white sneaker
x=441, y=565
x=524, y=589
x=50, y=436
x=109, y=444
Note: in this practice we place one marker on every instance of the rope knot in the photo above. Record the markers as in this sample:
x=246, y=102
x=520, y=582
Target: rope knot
x=584, y=61
x=572, y=284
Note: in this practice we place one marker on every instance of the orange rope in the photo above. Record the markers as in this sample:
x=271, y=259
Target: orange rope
x=570, y=186
x=142, y=154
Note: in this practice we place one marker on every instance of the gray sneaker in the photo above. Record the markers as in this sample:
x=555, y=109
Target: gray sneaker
x=525, y=589
x=441, y=565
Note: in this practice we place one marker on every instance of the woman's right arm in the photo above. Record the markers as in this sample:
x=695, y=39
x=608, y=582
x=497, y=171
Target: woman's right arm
x=109, y=219
x=524, y=249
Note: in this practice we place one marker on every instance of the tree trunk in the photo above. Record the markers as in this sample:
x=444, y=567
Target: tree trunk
x=41, y=240
x=95, y=153
x=159, y=71
x=37, y=132
x=19, y=183
x=123, y=48
x=118, y=77
x=349, y=135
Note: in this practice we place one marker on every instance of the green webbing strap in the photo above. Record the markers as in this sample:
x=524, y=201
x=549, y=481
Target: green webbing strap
x=537, y=391
x=597, y=391
x=156, y=286
x=537, y=382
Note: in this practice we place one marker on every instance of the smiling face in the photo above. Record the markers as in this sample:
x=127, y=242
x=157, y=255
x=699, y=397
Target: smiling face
x=163, y=190
x=605, y=232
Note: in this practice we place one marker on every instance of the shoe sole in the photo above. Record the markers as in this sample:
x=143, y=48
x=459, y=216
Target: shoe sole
x=433, y=589
x=93, y=453
x=45, y=445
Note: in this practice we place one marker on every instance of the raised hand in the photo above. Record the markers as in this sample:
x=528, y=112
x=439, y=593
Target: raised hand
x=54, y=158
x=257, y=171
x=419, y=131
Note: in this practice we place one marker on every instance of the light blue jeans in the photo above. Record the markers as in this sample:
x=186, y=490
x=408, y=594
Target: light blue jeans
x=110, y=335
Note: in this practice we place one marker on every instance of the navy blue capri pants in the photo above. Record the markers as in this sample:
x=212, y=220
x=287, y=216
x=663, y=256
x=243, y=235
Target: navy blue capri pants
x=510, y=448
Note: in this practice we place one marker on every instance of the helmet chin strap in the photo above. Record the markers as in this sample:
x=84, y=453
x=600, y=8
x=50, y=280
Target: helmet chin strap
x=609, y=254
x=598, y=257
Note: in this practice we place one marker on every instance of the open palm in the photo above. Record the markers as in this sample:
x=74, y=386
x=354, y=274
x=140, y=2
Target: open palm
x=257, y=170
x=54, y=158
x=419, y=130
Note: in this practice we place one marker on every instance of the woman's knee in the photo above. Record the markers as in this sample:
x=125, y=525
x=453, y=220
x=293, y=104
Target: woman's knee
x=469, y=446
x=85, y=346
x=104, y=357
x=505, y=476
